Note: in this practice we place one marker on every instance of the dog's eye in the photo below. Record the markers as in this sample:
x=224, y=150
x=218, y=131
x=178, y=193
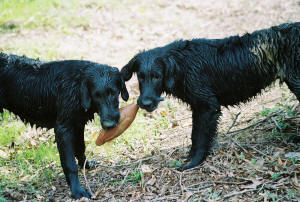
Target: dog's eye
x=111, y=93
x=155, y=76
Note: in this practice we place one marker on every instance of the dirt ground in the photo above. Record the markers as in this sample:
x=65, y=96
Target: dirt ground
x=246, y=165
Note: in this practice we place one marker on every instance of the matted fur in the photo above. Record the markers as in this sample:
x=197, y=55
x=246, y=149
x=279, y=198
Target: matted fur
x=208, y=73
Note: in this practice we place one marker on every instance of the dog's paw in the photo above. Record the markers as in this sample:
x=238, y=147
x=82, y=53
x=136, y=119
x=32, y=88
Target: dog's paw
x=80, y=193
x=186, y=167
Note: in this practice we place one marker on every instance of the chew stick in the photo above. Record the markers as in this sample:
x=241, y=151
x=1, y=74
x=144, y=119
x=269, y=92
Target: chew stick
x=127, y=114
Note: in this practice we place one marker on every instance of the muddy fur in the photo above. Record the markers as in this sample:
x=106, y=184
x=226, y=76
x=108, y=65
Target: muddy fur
x=209, y=73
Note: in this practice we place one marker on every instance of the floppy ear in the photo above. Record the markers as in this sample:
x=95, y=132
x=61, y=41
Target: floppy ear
x=128, y=69
x=170, y=69
x=124, y=92
x=85, y=97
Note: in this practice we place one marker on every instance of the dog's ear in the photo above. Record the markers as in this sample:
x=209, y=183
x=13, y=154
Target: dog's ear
x=124, y=92
x=128, y=69
x=85, y=96
x=170, y=69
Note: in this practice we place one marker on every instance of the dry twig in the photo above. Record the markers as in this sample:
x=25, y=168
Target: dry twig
x=233, y=140
x=85, y=178
x=123, y=181
x=257, y=123
x=238, y=193
x=258, y=151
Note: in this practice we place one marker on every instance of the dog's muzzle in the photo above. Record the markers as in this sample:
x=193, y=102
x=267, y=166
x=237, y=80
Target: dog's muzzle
x=149, y=104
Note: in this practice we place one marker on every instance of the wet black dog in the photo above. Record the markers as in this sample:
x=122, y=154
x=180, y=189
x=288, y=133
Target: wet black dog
x=62, y=95
x=209, y=73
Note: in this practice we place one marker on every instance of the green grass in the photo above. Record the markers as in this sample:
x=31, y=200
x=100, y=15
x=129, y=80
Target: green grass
x=33, y=14
x=60, y=15
x=135, y=177
x=9, y=129
x=25, y=161
x=44, y=50
x=33, y=166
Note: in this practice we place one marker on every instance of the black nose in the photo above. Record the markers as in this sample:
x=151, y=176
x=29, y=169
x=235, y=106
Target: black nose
x=146, y=102
x=108, y=124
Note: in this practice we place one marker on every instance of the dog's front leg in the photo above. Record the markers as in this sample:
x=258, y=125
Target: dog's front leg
x=79, y=148
x=203, y=133
x=64, y=135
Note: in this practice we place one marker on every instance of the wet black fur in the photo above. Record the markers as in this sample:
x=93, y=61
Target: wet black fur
x=62, y=95
x=209, y=73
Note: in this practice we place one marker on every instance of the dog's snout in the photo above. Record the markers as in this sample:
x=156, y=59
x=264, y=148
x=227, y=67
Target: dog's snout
x=146, y=102
x=109, y=124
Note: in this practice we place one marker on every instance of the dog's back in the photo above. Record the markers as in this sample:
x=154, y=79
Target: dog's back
x=30, y=88
x=237, y=68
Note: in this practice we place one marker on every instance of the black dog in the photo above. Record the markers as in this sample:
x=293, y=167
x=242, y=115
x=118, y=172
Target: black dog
x=62, y=95
x=209, y=73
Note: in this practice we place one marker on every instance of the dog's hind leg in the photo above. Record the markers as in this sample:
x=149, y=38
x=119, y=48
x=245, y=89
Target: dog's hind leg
x=204, y=130
x=64, y=135
x=294, y=85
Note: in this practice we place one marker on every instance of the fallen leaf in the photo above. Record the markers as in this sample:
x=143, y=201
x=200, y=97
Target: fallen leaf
x=187, y=195
x=25, y=178
x=146, y=169
x=151, y=181
x=163, y=113
x=279, y=161
x=254, y=185
x=295, y=182
x=3, y=154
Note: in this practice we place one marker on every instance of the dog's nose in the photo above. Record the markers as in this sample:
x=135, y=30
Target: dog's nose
x=109, y=124
x=147, y=102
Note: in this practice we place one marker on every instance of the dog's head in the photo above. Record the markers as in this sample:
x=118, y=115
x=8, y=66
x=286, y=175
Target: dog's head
x=155, y=72
x=100, y=89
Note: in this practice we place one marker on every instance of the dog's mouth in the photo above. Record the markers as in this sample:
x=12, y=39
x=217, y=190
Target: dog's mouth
x=149, y=109
x=109, y=124
x=150, y=105
x=106, y=125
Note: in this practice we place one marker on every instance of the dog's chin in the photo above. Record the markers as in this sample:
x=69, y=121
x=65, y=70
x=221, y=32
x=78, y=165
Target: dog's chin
x=149, y=109
x=107, y=128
